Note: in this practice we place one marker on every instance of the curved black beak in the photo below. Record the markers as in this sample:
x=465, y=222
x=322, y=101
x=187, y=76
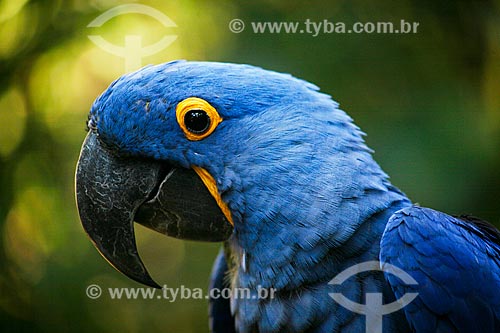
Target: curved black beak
x=114, y=191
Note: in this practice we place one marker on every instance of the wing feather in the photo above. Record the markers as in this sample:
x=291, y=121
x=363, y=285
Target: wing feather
x=456, y=262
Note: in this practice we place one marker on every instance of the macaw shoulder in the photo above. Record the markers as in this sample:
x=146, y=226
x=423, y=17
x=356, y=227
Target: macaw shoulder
x=463, y=237
x=456, y=263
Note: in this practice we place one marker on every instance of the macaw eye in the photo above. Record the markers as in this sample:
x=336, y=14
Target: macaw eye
x=197, y=121
x=197, y=118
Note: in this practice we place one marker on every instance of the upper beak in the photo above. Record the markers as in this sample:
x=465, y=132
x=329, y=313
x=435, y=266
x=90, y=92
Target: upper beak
x=113, y=191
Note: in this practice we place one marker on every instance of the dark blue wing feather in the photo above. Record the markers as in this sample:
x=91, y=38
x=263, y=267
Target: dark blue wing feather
x=456, y=262
x=219, y=311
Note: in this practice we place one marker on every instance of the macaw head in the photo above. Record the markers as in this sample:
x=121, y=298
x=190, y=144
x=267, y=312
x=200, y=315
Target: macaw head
x=203, y=151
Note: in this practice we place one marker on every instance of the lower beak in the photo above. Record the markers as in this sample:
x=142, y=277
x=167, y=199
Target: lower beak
x=113, y=191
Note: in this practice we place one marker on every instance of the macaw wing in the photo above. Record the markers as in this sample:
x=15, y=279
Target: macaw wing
x=219, y=310
x=456, y=262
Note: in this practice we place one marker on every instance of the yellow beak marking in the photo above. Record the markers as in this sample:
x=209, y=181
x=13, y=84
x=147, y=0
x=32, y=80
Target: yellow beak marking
x=209, y=182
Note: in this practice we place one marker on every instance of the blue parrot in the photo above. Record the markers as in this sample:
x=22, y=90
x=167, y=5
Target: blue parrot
x=270, y=166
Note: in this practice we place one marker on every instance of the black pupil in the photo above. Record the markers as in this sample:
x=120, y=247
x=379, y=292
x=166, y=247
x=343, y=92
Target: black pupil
x=197, y=121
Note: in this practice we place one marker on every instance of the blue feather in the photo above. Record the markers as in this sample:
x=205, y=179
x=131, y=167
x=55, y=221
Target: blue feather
x=451, y=259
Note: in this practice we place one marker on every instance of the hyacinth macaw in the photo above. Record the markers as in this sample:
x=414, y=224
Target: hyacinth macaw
x=271, y=167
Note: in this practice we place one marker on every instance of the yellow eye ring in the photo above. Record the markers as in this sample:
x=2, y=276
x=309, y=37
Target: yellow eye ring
x=197, y=118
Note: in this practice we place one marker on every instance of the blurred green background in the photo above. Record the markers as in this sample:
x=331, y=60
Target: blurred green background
x=430, y=103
